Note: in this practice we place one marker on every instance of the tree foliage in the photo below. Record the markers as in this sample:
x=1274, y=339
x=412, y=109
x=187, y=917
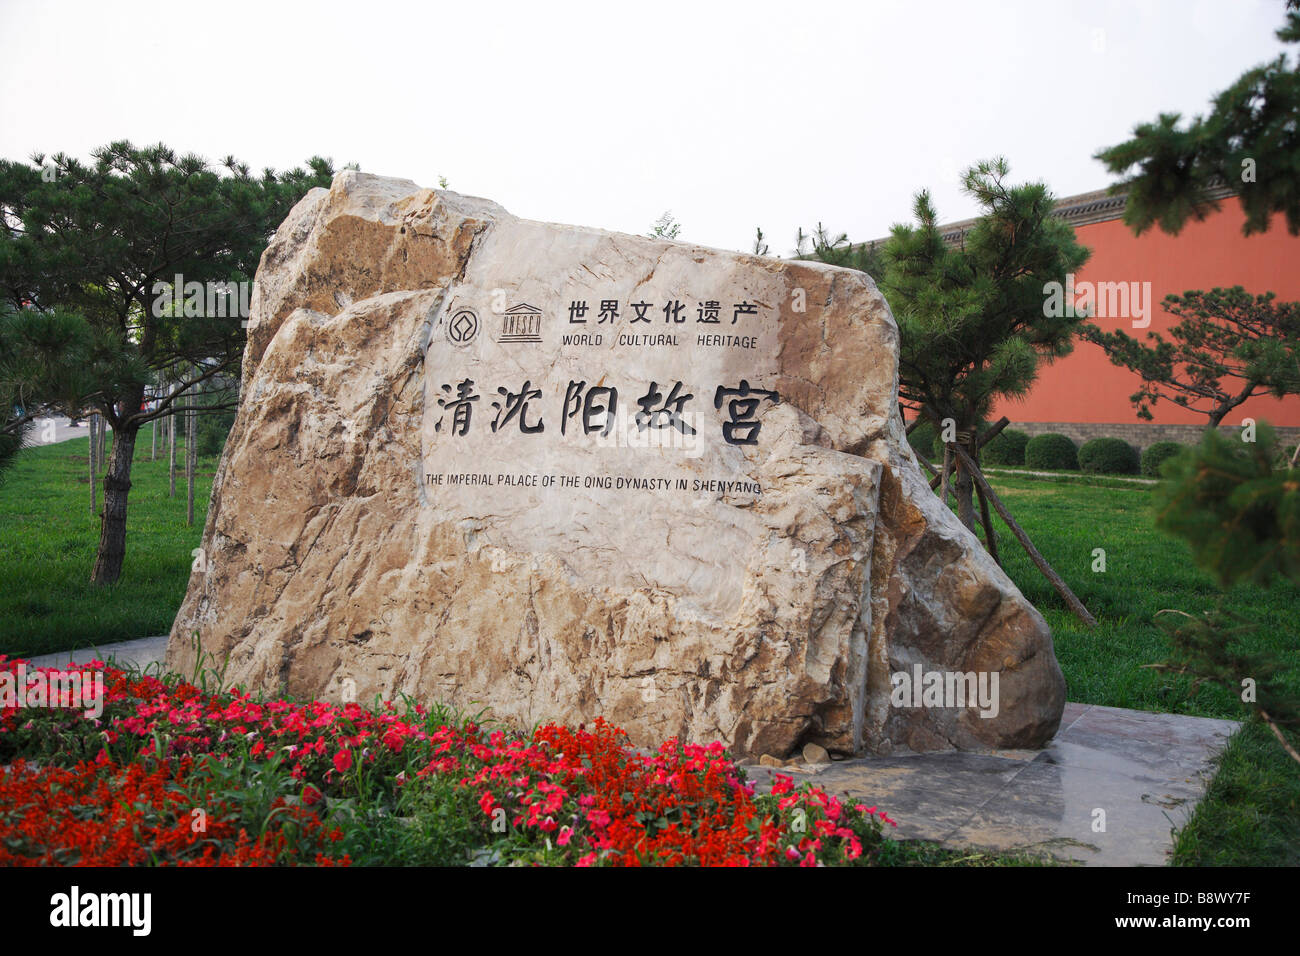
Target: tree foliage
x=1239, y=512
x=971, y=316
x=1250, y=141
x=836, y=249
x=665, y=227
x=1228, y=346
x=94, y=250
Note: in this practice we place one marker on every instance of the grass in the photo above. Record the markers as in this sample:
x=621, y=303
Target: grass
x=1251, y=814
x=48, y=539
x=1145, y=572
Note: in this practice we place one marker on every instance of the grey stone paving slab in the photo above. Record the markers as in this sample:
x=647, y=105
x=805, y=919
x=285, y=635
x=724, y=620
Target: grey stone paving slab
x=143, y=652
x=1144, y=771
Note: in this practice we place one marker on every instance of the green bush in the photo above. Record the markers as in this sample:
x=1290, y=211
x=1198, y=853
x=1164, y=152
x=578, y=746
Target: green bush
x=1053, y=452
x=923, y=439
x=213, y=427
x=1157, y=454
x=1108, y=456
x=1006, y=448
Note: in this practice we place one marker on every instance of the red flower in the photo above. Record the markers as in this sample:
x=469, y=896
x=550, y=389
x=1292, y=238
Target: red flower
x=343, y=760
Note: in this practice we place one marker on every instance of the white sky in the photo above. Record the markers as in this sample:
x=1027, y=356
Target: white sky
x=732, y=115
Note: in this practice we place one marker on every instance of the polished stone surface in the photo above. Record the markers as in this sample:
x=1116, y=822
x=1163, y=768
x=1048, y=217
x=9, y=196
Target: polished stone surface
x=1139, y=774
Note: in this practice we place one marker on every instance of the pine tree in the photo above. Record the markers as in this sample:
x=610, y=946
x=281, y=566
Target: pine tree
x=973, y=324
x=98, y=240
x=1250, y=141
x=1228, y=346
x=1238, y=509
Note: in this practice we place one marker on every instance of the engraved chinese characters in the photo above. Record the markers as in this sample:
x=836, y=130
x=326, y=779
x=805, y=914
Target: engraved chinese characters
x=601, y=404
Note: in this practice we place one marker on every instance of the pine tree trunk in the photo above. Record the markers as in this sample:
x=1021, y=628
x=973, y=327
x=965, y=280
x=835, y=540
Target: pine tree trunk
x=965, y=489
x=171, y=452
x=112, y=531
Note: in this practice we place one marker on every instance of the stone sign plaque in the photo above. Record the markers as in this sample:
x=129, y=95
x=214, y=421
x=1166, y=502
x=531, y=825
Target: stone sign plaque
x=564, y=473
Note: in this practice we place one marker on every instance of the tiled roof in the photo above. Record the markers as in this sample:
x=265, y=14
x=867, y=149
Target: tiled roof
x=1081, y=210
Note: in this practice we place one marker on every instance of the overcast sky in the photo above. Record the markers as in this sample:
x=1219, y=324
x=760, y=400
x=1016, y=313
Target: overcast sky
x=607, y=114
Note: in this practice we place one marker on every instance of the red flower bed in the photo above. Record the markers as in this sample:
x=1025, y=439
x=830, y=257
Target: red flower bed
x=101, y=814
x=121, y=788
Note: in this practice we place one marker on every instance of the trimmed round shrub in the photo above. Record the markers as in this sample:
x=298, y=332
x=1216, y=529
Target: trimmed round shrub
x=1108, y=456
x=1052, y=452
x=1157, y=454
x=1006, y=448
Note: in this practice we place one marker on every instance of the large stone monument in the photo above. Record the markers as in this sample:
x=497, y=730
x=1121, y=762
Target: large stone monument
x=563, y=473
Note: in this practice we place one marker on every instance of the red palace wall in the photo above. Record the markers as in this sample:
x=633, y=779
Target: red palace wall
x=1085, y=387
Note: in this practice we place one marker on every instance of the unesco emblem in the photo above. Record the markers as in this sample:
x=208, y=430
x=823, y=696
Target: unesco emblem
x=463, y=327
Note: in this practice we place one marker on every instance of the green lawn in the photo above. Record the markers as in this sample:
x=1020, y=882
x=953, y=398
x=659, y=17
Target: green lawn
x=1250, y=816
x=47, y=547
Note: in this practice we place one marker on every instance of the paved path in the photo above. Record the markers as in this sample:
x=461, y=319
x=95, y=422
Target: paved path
x=142, y=653
x=1144, y=771
x=52, y=430
x=1076, y=475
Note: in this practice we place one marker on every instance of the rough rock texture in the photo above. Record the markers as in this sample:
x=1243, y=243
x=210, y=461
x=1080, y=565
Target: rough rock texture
x=762, y=594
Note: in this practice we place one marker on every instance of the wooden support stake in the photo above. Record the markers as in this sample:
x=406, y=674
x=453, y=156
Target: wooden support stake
x=990, y=537
x=946, y=474
x=171, y=451
x=993, y=431
x=90, y=420
x=1040, y=562
x=191, y=460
